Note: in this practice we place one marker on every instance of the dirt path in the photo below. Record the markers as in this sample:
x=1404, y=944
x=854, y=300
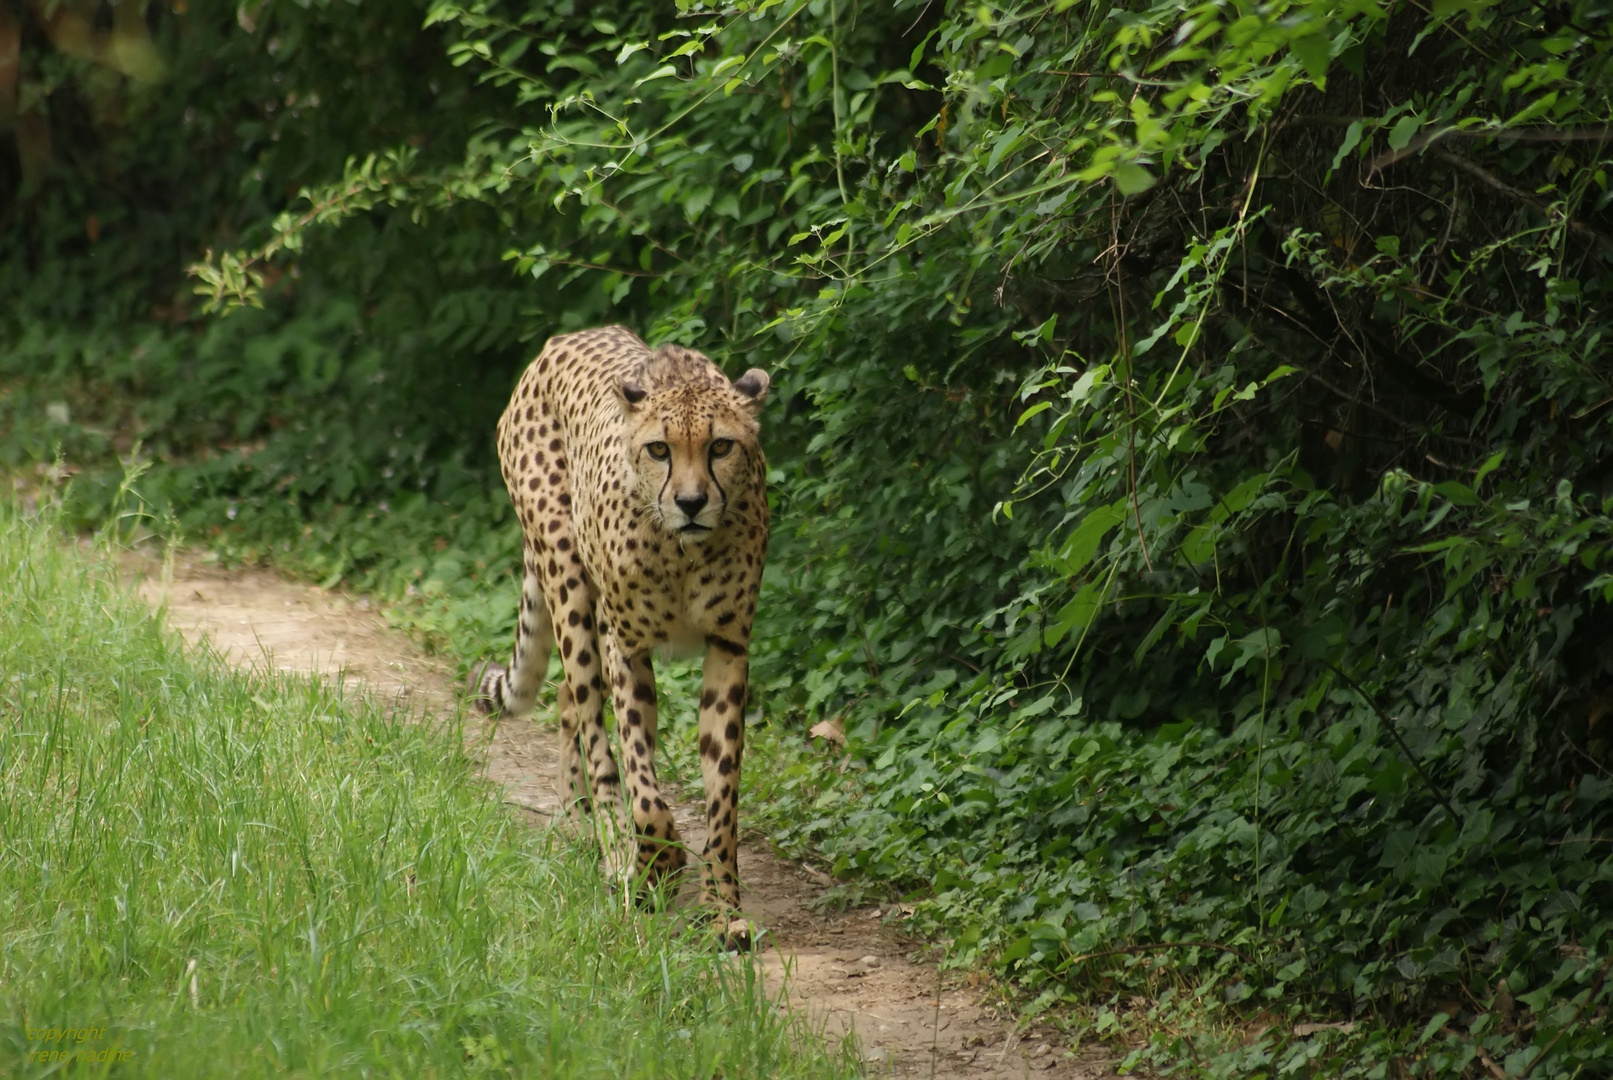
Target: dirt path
x=848, y=971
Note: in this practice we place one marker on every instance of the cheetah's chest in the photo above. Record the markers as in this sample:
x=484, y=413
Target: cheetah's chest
x=669, y=600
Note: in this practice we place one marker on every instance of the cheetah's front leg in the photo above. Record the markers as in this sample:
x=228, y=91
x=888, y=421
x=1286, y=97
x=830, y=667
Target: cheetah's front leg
x=660, y=849
x=722, y=739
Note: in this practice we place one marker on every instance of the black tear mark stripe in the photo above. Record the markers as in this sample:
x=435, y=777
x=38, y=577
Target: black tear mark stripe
x=711, y=472
x=722, y=491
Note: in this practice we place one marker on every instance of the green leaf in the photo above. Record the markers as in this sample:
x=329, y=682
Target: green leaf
x=1314, y=51
x=1090, y=379
x=1198, y=546
x=1239, y=497
x=1439, y=545
x=1406, y=127
x=1435, y=1023
x=695, y=203
x=1491, y=463
x=1352, y=139
x=1132, y=179
x=1155, y=632
x=1399, y=850
x=1076, y=615
x=1039, y=407
x=659, y=73
x=1457, y=492
x=1083, y=543
x=1264, y=646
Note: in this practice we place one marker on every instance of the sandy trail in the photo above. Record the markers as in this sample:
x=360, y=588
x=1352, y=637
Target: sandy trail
x=847, y=971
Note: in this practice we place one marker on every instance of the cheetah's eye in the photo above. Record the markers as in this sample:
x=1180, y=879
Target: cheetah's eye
x=660, y=451
x=720, y=447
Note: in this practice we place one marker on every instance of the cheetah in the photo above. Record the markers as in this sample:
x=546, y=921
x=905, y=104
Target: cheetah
x=640, y=488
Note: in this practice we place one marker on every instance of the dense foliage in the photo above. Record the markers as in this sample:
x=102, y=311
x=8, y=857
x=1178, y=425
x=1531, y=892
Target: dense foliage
x=1193, y=467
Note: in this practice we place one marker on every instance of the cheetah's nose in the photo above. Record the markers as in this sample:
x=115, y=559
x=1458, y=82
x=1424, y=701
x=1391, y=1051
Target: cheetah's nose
x=690, y=504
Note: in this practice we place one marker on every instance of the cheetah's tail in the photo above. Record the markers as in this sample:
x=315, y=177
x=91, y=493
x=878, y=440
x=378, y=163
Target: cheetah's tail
x=487, y=688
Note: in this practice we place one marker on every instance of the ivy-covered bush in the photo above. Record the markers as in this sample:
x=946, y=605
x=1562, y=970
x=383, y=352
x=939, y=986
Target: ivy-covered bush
x=1193, y=461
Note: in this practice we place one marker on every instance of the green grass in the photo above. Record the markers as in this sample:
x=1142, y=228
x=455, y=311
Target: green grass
x=213, y=873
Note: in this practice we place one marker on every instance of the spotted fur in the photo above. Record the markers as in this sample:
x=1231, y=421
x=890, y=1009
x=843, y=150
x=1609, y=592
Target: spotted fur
x=640, y=487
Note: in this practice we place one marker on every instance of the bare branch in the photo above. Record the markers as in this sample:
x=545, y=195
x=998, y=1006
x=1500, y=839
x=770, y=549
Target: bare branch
x=1490, y=180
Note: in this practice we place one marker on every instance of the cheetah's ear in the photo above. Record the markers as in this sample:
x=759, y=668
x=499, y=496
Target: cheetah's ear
x=753, y=387
x=633, y=394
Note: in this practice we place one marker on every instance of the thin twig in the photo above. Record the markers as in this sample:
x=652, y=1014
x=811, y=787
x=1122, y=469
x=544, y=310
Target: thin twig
x=925, y=10
x=976, y=668
x=1395, y=731
x=1125, y=356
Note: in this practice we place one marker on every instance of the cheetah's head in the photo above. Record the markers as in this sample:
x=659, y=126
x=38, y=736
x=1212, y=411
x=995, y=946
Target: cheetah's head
x=693, y=449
